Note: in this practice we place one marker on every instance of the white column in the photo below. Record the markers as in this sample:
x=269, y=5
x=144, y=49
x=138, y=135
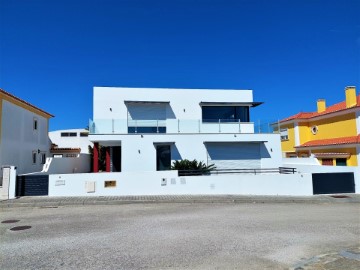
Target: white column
x=297, y=134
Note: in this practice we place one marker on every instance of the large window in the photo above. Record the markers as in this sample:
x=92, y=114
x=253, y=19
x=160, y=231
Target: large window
x=146, y=129
x=225, y=114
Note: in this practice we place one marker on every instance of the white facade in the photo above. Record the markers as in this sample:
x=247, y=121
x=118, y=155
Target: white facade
x=135, y=122
x=71, y=138
x=24, y=139
x=168, y=183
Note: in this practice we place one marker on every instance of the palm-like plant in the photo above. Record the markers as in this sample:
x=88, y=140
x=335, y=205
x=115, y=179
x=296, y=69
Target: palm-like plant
x=192, y=167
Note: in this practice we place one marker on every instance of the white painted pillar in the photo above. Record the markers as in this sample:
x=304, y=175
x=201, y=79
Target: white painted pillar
x=358, y=122
x=12, y=183
x=297, y=134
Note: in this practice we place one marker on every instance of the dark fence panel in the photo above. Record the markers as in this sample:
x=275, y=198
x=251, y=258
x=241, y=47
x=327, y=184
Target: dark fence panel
x=32, y=185
x=330, y=183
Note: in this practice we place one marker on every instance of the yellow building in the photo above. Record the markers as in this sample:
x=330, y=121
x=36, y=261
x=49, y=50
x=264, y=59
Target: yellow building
x=331, y=133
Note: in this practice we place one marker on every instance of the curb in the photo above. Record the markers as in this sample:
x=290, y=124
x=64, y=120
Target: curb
x=49, y=202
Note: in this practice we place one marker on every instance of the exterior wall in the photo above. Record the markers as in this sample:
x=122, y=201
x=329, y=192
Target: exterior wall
x=288, y=145
x=184, y=103
x=139, y=153
x=334, y=127
x=71, y=142
x=350, y=161
x=79, y=164
x=19, y=139
x=308, y=169
x=7, y=190
x=168, y=183
x=304, y=134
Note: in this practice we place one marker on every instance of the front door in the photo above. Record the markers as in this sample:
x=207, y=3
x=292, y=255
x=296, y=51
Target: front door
x=116, y=159
x=163, y=157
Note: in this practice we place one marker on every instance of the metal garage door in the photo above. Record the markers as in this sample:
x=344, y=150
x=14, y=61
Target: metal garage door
x=330, y=183
x=146, y=112
x=234, y=155
x=32, y=185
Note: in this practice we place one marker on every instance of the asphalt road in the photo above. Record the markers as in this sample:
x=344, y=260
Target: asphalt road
x=176, y=235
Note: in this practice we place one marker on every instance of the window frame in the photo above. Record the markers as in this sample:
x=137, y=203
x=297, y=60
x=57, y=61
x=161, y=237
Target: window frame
x=34, y=157
x=35, y=124
x=285, y=136
x=238, y=114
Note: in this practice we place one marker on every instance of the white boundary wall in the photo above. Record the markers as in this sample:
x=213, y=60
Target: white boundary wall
x=79, y=164
x=153, y=183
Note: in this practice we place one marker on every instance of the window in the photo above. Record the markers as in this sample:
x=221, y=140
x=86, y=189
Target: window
x=341, y=162
x=327, y=162
x=1, y=180
x=68, y=134
x=213, y=114
x=84, y=134
x=163, y=157
x=43, y=158
x=146, y=129
x=284, y=134
x=34, y=157
x=314, y=130
x=35, y=124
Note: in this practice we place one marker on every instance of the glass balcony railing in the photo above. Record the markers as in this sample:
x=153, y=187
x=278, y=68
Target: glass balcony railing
x=123, y=126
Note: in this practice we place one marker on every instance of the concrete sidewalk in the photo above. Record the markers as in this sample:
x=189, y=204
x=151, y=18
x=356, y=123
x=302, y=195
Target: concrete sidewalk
x=45, y=201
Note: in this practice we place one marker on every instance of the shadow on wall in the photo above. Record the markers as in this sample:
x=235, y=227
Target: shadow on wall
x=237, y=151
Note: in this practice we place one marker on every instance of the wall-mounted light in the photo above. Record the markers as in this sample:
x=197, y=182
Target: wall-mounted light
x=184, y=110
x=270, y=149
x=110, y=109
x=39, y=151
x=142, y=136
x=139, y=151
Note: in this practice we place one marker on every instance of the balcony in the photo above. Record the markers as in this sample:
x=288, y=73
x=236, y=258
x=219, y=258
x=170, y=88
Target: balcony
x=170, y=126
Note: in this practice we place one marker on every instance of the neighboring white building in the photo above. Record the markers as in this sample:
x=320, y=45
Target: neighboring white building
x=24, y=139
x=146, y=129
x=71, y=138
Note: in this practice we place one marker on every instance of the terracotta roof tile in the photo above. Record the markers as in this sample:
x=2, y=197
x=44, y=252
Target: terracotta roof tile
x=331, y=109
x=333, y=141
x=64, y=149
x=25, y=102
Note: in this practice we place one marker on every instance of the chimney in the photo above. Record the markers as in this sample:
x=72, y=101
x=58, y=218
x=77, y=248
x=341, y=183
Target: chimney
x=350, y=94
x=321, y=105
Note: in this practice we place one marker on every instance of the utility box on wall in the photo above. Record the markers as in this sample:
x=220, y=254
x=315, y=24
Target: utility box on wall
x=163, y=181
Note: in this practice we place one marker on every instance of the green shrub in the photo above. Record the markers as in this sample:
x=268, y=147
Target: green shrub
x=193, y=166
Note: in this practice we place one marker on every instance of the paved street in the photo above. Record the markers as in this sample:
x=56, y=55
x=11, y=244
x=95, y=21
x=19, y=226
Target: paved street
x=179, y=236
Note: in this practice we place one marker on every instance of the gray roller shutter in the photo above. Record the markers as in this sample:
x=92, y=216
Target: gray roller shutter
x=146, y=111
x=234, y=155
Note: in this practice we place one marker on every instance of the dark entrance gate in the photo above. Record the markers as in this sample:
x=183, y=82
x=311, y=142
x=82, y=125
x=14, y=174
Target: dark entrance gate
x=32, y=185
x=330, y=183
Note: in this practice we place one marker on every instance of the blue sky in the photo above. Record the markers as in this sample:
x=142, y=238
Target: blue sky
x=291, y=53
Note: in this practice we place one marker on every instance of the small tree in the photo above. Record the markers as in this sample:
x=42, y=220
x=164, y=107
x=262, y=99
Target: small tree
x=192, y=167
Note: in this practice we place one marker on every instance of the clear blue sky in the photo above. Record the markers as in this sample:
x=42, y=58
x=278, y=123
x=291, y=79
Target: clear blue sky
x=289, y=52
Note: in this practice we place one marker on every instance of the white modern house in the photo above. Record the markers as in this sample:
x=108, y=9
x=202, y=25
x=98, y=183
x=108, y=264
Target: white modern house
x=67, y=139
x=24, y=141
x=146, y=129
